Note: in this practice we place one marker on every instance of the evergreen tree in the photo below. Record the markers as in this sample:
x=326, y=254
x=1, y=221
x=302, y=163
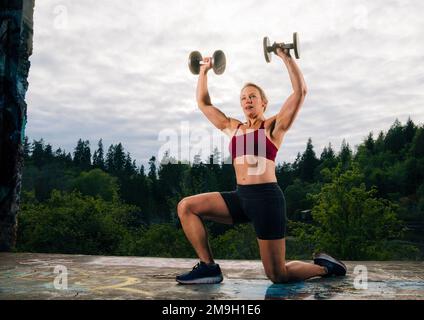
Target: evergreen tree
x=379, y=143
x=418, y=143
x=115, y=159
x=82, y=155
x=308, y=163
x=58, y=153
x=409, y=130
x=38, y=152
x=153, y=192
x=130, y=167
x=296, y=165
x=395, y=138
x=327, y=160
x=328, y=157
x=152, y=169
x=369, y=143
x=169, y=189
x=62, y=158
x=69, y=158
x=98, y=156
x=109, y=163
x=119, y=158
x=48, y=153
x=413, y=176
x=142, y=171
x=345, y=156
x=284, y=175
x=296, y=200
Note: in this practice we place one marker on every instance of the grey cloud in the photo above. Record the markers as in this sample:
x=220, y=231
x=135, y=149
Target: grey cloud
x=119, y=70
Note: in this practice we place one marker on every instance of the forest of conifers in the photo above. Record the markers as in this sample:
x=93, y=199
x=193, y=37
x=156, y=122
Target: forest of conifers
x=361, y=204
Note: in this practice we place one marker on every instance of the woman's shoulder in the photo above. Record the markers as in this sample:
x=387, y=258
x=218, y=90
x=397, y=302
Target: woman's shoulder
x=233, y=125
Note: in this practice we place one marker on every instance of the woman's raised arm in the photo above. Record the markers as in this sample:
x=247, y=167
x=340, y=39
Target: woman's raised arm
x=290, y=108
x=214, y=115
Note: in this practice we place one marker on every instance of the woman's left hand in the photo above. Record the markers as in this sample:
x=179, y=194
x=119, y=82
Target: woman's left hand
x=283, y=53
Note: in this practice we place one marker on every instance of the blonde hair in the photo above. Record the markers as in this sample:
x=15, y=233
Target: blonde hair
x=261, y=92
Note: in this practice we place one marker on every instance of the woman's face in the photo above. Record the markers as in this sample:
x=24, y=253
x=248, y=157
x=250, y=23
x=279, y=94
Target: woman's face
x=251, y=101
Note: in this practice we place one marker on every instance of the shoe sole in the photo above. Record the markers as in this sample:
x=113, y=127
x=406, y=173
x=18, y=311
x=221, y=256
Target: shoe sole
x=326, y=257
x=207, y=280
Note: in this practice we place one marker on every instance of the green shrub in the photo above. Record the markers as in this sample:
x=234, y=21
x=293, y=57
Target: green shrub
x=73, y=223
x=237, y=243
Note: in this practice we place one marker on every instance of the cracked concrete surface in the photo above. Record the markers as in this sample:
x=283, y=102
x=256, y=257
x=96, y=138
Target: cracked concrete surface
x=33, y=276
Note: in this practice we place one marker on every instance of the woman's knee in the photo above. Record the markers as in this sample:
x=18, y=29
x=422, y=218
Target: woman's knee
x=278, y=278
x=183, y=207
x=277, y=275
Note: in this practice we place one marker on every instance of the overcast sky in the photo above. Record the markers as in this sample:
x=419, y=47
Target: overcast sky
x=117, y=70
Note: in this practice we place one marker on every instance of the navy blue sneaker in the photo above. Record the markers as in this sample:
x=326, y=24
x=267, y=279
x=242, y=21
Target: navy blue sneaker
x=201, y=273
x=333, y=266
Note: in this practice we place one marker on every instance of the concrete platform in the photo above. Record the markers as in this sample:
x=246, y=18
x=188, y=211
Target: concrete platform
x=32, y=276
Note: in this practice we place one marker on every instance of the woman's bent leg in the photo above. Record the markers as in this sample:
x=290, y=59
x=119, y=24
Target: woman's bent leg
x=191, y=211
x=277, y=270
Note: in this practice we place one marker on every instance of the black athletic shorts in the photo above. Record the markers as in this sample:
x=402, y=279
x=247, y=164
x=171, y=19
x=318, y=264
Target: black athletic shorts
x=263, y=204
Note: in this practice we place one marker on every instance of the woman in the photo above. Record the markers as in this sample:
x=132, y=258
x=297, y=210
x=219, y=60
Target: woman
x=258, y=198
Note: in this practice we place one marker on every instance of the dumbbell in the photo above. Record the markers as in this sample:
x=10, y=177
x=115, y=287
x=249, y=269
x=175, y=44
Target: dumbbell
x=218, y=62
x=268, y=48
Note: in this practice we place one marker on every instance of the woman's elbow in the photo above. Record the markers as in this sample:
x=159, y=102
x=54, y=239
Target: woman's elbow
x=300, y=93
x=202, y=104
x=300, y=89
x=203, y=101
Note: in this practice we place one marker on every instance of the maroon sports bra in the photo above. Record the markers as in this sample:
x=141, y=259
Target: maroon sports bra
x=252, y=143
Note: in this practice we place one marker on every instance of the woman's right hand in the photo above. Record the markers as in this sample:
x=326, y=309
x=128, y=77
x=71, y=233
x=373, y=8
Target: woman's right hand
x=207, y=66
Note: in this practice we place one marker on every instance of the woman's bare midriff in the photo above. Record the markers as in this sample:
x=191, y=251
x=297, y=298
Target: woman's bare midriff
x=251, y=169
